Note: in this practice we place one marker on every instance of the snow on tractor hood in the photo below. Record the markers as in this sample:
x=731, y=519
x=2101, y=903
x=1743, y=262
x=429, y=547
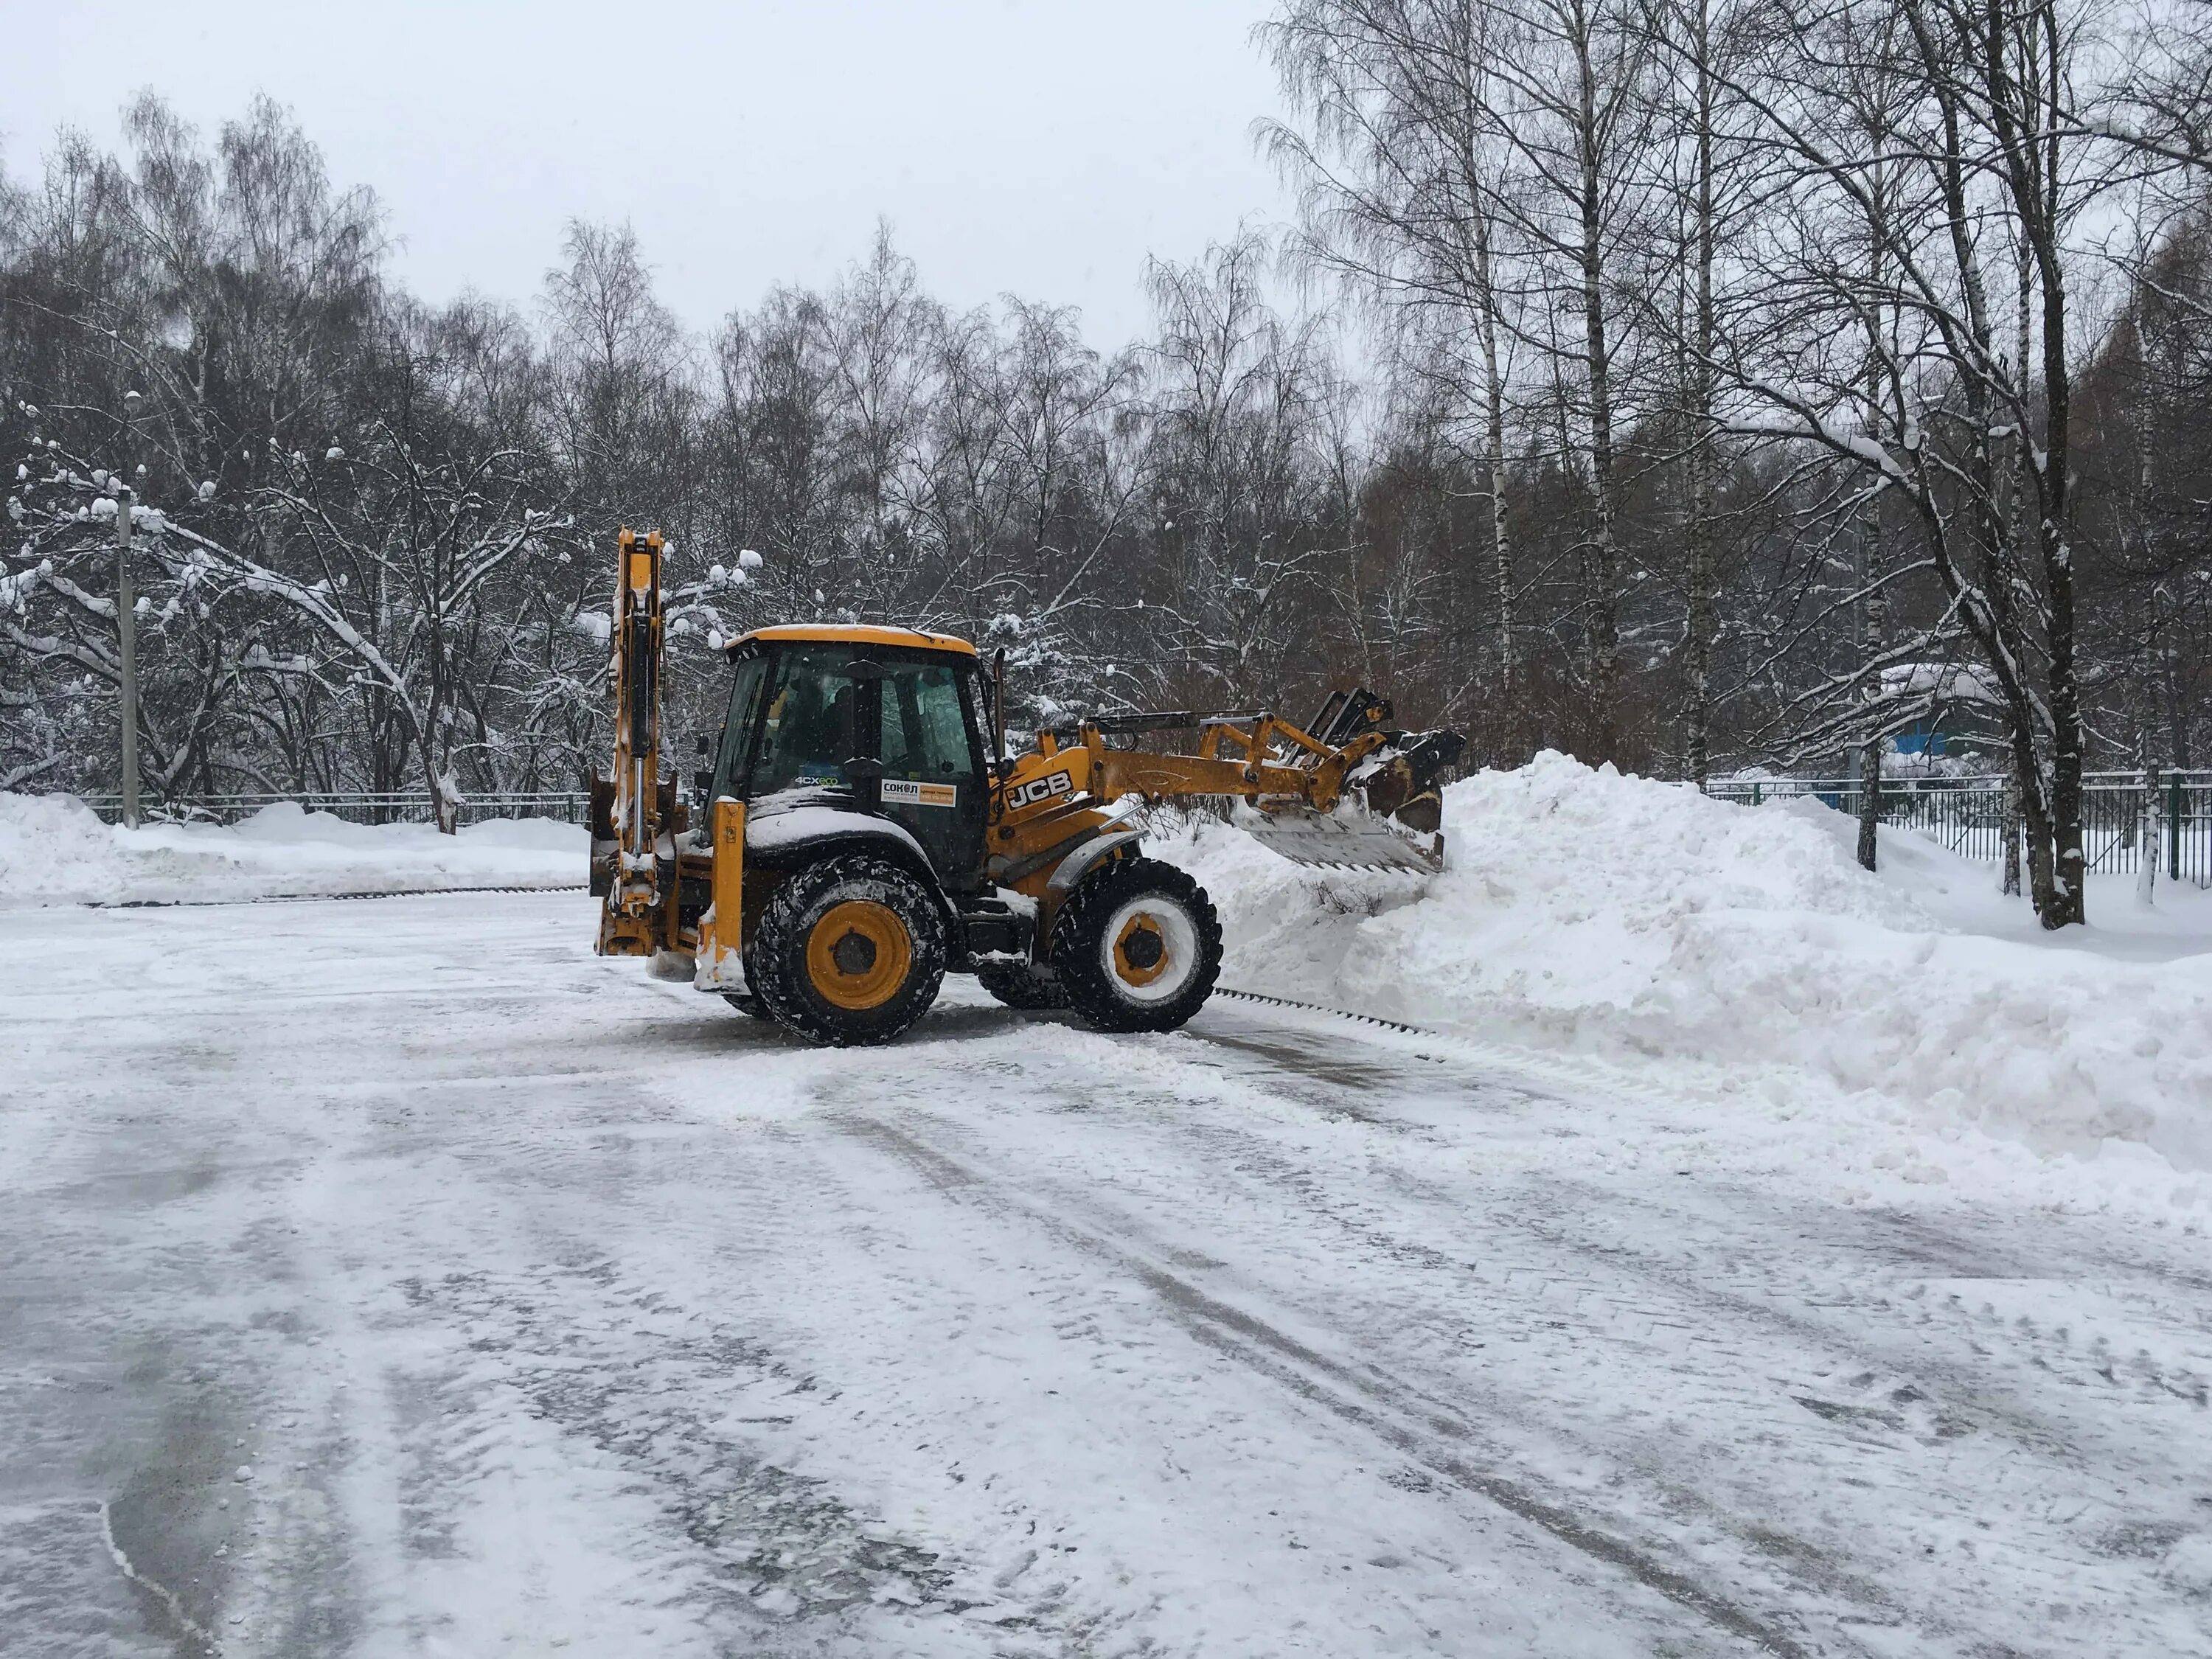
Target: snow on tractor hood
x=783, y=822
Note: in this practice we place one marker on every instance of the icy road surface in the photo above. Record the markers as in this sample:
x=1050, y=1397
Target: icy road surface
x=393, y=1277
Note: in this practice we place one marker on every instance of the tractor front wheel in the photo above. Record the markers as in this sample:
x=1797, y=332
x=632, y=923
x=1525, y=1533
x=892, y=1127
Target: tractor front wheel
x=1138, y=946
x=850, y=951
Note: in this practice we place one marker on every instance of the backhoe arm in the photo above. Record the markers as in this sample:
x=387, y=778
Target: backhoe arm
x=634, y=814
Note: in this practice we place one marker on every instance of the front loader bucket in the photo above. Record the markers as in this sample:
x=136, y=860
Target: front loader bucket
x=1346, y=839
x=1388, y=817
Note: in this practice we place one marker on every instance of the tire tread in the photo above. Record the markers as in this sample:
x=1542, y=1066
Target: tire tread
x=1076, y=938
x=775, y=961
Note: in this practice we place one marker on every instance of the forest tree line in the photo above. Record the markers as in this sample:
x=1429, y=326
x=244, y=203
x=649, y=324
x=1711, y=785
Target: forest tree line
x=1685, y=383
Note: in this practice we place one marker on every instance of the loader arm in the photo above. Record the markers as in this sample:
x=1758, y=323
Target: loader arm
x=1242, y=761
x=1359, y=796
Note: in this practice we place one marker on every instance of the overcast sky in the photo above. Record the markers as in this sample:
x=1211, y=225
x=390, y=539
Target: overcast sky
x=1041, y=148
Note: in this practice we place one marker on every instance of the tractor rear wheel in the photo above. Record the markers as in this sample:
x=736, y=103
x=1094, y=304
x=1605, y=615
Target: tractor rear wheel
x=850, y=951
x=1018, y=987
x=1138, y=946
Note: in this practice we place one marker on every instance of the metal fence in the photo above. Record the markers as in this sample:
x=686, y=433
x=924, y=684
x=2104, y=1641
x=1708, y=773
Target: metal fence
x=389, y=806
x=1966, y=814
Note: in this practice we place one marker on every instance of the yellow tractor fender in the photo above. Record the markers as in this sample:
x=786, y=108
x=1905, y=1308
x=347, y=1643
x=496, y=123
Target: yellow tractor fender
x=1086, y=858
x=1070, y=871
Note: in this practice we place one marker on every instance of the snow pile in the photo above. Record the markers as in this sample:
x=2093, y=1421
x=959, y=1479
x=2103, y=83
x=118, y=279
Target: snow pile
x=1589, y=910
x=55, y=850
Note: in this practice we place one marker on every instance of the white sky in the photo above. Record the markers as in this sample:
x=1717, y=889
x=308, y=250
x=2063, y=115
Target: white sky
x=1039, y=149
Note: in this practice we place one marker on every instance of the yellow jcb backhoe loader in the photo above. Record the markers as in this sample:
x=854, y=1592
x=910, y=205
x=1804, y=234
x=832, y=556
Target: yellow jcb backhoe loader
x=866, y=833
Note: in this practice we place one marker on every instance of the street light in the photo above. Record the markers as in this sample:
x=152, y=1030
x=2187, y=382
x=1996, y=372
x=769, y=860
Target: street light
x=126, y=620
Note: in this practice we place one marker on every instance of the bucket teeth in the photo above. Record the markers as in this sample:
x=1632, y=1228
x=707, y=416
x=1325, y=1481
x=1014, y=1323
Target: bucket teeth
x=1343, y=840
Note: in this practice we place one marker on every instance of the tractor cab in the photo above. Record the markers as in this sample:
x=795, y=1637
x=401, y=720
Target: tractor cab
x=888, y=723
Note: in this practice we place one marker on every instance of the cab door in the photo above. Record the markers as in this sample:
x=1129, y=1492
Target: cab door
x=933, y=763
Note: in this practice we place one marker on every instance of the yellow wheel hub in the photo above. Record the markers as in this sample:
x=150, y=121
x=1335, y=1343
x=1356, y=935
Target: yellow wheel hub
x=859, y=954
x=1140, y=950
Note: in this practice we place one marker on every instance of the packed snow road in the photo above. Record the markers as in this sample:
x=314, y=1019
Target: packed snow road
x=394, y=1277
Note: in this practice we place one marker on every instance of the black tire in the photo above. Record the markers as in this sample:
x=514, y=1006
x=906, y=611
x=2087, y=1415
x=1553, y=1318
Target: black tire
x=1018, y=987
x=1099, y=946
x=878, y=977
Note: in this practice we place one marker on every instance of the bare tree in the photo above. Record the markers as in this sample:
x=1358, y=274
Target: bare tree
x=1234, y=399
x=1740, y=395
x=1983, y=95
x=1400, y=177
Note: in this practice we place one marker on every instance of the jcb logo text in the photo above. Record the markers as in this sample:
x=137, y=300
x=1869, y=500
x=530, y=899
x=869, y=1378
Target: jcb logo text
x=1038, y=789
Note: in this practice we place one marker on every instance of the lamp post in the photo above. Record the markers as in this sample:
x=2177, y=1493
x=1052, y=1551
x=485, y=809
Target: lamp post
x=126, y=619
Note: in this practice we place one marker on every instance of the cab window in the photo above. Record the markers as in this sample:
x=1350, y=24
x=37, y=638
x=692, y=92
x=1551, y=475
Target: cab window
x=809, y=733
x=924, y=733
x=738, y=727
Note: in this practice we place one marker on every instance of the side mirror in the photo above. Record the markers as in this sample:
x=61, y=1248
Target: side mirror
x=702, y=781
x=703, y=745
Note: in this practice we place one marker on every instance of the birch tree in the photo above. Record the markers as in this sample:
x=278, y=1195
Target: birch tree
x=1402, y=175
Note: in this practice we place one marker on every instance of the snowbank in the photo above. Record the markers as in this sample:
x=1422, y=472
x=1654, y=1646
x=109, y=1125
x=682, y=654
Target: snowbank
x=54, y=850
x=1587, y=910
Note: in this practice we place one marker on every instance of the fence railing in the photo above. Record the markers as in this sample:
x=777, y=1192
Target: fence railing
x=354, y=806
x=1967, y=815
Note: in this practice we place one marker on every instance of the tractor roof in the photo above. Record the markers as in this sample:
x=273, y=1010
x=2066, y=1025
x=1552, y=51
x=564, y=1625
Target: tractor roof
x=911, y=639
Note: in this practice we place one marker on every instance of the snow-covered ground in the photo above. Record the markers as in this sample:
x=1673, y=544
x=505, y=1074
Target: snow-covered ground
x=1744, y=950
x=54, y=850
x=398, y=1277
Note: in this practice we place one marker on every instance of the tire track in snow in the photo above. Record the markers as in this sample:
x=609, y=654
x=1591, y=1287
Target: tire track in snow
x=1410, y=1424
x=1860, y=1349
x=1577, y=1079
x=325, y=898
x=2098, y=1462
x=606, y=1359
x=1887, y=1337
x=185, y=1622
x=1879, y=1430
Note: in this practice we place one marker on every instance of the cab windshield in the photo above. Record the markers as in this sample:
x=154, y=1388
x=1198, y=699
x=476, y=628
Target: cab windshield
x=808, y=731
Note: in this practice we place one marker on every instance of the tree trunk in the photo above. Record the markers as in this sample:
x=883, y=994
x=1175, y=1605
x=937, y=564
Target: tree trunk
x=2068, y=899
x=1604, y=573
x=445, y=801
x=1869, y=801
x=438, y=767
x=2011, y=836
x=2035, y=824
x=2146, y=824
x=1702, y=623
x=1501, y=529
